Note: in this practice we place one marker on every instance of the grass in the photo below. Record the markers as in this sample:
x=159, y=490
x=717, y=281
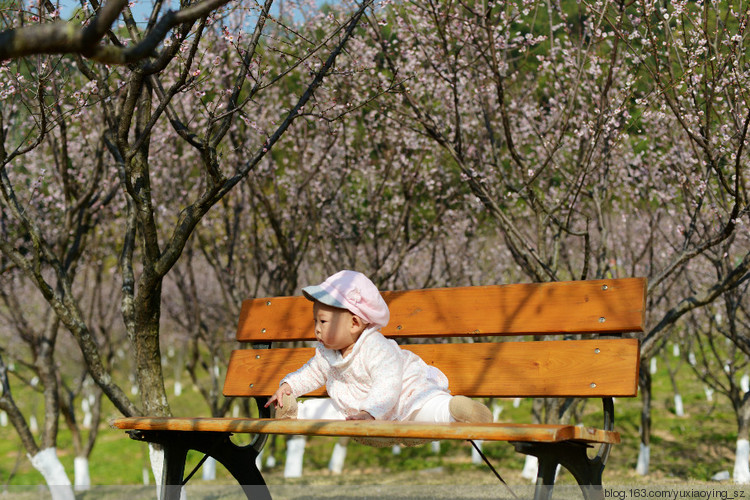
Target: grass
x=684, y=450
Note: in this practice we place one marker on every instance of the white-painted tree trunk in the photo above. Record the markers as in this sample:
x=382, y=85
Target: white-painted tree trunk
x=208, y=471
x=88, y=419
x=295, y=453
x=653, y=366
x=87, y=416
x=679, y=409
x=82, y=479
x=156, y=456
x=496, y=411
x=709, y=393
x=338, y=457
x=47, y=463
x=742, y=462
x=396, y=449
x=435, y=447
x=745, y=383
x=476, y=458
x=644, y=458
x=530, y=468
x=3, y=418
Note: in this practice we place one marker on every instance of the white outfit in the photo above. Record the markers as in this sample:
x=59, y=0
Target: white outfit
x=377, y=376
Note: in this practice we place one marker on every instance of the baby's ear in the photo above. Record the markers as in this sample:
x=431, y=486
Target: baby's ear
x=358, y=322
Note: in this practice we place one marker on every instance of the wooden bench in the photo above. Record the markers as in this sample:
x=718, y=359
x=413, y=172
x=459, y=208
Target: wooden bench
x=589, y=359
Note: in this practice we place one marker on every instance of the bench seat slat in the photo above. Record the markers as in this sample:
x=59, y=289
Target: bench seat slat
x=404, y=430
x=594, y=306
x=602, y=367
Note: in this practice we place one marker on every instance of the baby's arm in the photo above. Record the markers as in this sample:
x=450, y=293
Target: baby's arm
x=276, y=399
x=308, y=378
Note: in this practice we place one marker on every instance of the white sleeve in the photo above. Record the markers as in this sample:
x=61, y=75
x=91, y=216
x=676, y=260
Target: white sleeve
x=312, y=375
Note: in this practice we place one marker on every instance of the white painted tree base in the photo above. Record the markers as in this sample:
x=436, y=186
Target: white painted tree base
x=338, y=457
x=742, y=462
x=530, y=468
x=208, y=470
x=295, y=454
x=156, y=456
x=476, y=458
x=679, y=409
x=82, y=478
x=47, y=463
x=709, y=393
x=34, y=425
x=644, y=458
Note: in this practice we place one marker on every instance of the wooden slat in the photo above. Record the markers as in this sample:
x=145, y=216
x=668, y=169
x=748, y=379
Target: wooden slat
x=404, y=430
x=586, y=368
x=594, y=306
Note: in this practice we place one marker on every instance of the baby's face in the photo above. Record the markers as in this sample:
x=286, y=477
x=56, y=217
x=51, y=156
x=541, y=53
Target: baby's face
x=335, y=328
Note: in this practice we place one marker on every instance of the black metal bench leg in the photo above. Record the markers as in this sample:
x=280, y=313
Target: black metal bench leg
x=587, y=471
x=238, y=460
x=545, y=478
x=173, y=471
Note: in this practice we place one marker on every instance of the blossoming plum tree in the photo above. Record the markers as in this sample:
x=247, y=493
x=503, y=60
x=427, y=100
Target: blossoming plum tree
x=603, y=138
x=133, y=122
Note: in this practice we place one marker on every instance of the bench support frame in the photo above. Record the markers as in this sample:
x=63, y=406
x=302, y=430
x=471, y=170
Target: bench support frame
x=574, y=457
x=571, y=455
x=238, y=460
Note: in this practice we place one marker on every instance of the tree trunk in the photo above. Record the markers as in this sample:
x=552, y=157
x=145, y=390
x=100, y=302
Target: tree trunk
x=742, y=458
x=147, y=350
x=47, y=463
x=82, y=477
x=644, y=455
x=338, y=456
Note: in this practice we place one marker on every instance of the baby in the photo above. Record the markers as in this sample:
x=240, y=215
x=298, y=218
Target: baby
x=366, y=375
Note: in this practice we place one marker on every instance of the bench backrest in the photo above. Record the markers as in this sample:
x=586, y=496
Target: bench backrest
x=477, y=367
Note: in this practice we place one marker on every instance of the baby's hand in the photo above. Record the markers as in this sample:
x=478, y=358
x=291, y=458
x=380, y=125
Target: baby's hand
x=362, y=415
x=276, y=398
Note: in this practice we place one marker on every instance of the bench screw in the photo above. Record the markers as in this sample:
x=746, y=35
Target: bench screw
x=597, y=351
x=604, y=287
x=268, y=303
x=257, y=356
x=263, y=331
x=593, y=385
x=252, y=385
x=602, y=319
x=398, y=327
